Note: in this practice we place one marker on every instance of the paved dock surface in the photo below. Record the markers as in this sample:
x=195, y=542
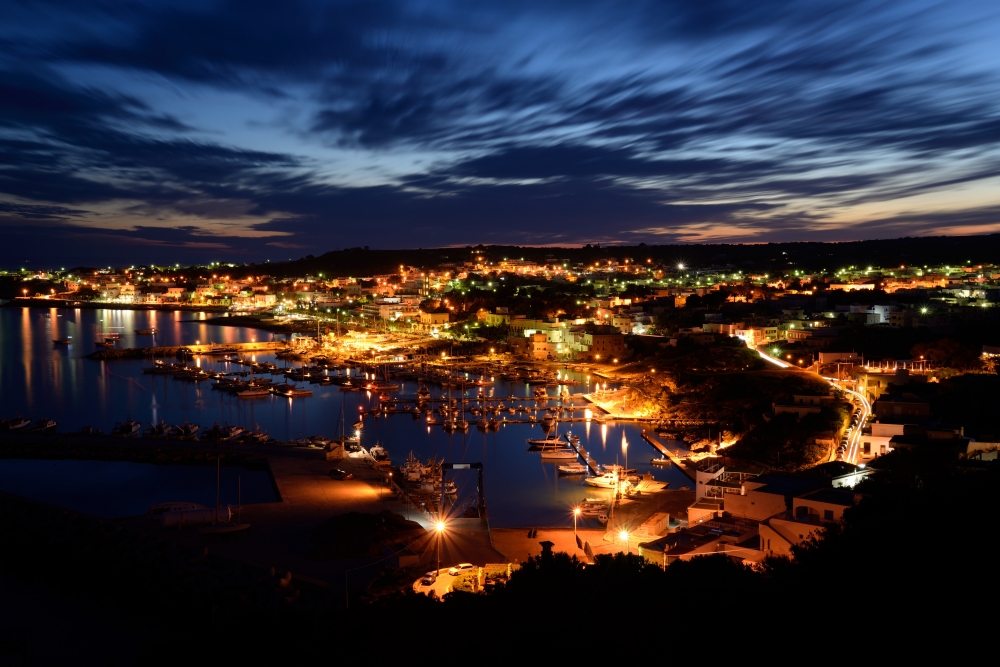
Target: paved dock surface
x=281, y=532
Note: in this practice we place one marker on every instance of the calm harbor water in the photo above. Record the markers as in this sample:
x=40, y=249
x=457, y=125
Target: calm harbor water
x=112, y=489
x=41, y=379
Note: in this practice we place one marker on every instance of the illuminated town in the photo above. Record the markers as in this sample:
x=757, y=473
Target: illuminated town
x=358, y=331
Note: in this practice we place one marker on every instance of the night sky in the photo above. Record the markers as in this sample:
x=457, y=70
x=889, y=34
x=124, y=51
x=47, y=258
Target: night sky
x=239, y=131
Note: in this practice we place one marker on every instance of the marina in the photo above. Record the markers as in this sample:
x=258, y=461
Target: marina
x=198, y=398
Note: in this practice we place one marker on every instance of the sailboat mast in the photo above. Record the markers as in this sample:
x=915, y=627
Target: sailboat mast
x=215, y=516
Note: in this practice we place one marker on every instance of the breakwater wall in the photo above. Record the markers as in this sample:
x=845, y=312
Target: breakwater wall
x=172, y=350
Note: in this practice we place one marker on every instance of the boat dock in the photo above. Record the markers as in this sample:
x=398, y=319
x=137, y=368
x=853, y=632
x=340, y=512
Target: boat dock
x=587, y=458
x=682, y=464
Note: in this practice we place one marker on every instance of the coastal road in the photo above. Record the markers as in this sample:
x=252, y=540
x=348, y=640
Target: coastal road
x=854, y=439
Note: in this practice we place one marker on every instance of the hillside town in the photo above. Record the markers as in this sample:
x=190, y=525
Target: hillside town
x=776, y=406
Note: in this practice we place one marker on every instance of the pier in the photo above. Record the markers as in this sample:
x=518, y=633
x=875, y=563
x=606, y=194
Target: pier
x=587, y=458
x=682, y=464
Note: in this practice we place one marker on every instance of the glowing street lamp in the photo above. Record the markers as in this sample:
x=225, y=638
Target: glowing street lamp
x=623, y=536
x=576, y=513
x=439, y=528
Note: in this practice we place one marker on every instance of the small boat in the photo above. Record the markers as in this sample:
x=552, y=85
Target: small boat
x=63, y=341
x=608, y=480
x=291, y=391
x=17, y=424
x=146, y=332
x=574, y=439
x=253, y=392
x=461, y=425
x=660, y=461
x=558, y=454
x=157, y=430
x=379, y=453
x=126, y=429
x=573, y=469
x=187, y=430
x=44, y=424
x=542, y=443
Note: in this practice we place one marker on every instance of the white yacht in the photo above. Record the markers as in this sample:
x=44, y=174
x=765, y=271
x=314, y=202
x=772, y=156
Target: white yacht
x=573, y=469
x=608, y=480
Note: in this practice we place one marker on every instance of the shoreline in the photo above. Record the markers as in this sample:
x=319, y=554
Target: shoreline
x=95, y=305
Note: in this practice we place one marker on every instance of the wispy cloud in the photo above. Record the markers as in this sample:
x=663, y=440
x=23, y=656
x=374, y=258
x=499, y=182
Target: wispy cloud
x=403, y=123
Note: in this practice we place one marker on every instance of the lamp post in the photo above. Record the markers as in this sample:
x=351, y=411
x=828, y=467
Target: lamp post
x=623, y=536
x=439, y=527
x=576, y=513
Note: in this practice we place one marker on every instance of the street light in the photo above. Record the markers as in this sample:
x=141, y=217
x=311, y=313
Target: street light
x=576, y=513
x=439, y=527
x=623, y=536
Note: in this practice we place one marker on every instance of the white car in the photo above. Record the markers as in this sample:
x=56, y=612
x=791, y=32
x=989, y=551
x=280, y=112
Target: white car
x=460, y=568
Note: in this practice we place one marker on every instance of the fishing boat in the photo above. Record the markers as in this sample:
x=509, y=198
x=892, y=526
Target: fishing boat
x=257, y=435
x=379, y=453
x=43, y=424
x=558, y=454
x=573, y=469
x=17, y=423
x=157, y=430
x=127, y=428
x=187, y=430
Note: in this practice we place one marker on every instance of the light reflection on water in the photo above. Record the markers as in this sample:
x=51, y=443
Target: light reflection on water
x=40, y=379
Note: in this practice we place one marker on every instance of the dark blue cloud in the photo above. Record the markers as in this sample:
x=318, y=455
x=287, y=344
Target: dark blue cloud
x=245, y=126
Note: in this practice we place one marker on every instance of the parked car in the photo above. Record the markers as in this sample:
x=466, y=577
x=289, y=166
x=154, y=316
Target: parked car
x=429, y=579
x=338, y=474
x=460, y=568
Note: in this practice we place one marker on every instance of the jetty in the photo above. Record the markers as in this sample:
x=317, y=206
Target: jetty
x=682, y=464
x=587, y=458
